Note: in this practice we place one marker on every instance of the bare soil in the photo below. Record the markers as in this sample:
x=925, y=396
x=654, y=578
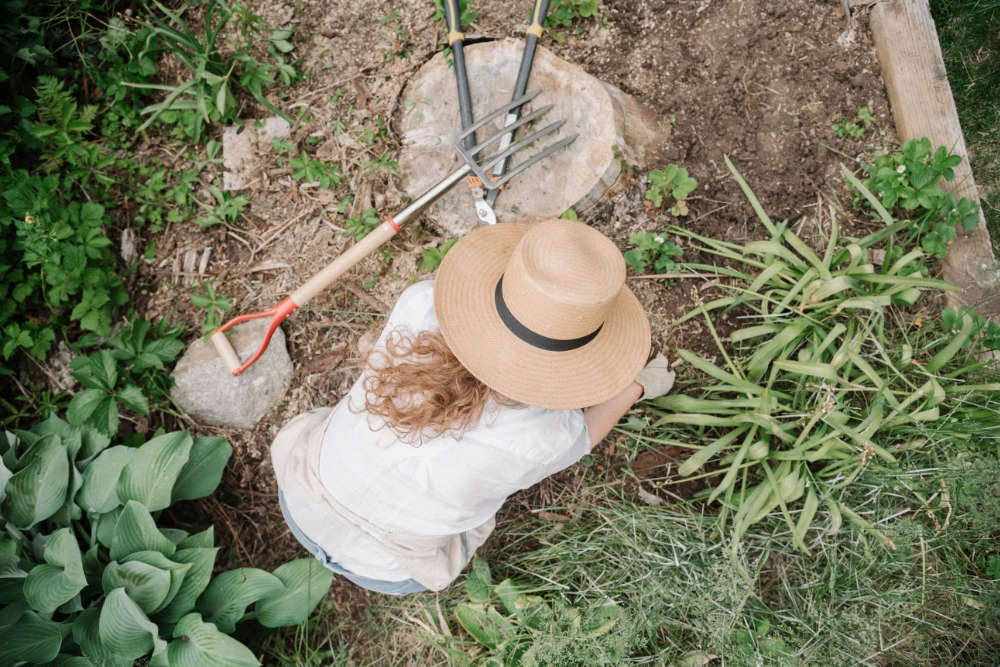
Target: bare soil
x=756, y=80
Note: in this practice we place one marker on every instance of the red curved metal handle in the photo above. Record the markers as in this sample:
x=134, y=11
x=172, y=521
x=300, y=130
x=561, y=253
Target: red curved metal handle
x=278, y=315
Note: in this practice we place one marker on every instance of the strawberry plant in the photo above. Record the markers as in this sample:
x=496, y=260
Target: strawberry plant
x=564, y=13
x=848, y=128
x=652, y=250
x=908, y=180
x=359, y=226
x=670, y=182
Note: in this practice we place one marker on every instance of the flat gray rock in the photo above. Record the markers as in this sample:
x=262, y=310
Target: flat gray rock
x=209, y=393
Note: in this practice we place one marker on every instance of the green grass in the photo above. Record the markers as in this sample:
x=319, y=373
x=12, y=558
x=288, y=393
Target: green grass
x=934, y=600
x=969, y=31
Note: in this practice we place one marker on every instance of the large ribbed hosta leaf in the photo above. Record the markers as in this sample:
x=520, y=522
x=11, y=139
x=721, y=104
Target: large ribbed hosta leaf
x=99, y=493
x=29, y=639
x=203, y=470
x=124, y=629
x=306, y=582
x=202, y=561
x=56, y=581
x=200, y=644
x=38, y=488
x=151, y=474
x=226, y=599
x=135, y=531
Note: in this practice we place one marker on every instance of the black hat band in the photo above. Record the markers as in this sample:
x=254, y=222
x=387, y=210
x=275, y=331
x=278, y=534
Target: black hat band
x=532, y=338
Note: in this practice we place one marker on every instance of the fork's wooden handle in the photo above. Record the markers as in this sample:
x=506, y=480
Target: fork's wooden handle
x=345, y=261
x=226, y=351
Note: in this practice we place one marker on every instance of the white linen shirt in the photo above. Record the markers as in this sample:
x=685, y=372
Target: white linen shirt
x=441, y=487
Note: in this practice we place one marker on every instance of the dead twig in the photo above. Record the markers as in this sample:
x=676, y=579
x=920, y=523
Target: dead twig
x=657, y=276
x=356, y=290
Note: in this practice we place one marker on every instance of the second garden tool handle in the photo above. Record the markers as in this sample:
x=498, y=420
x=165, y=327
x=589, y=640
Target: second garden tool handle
x=452, y=16
x=531, y=37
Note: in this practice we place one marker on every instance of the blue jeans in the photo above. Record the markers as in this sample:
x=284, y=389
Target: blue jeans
x=376, y=585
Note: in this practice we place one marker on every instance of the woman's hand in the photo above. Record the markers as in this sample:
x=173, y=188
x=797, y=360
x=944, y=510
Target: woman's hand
x=656, y=378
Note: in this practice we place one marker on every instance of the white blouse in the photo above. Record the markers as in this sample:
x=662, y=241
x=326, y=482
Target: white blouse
x=441, y=487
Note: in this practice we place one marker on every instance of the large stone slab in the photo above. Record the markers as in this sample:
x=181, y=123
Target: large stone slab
x=209, y=393
x=612, y=127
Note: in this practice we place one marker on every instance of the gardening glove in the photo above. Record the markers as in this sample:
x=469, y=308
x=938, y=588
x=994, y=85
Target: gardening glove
x=656, y=378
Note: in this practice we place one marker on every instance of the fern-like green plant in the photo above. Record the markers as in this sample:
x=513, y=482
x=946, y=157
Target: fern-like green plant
x=63, y=133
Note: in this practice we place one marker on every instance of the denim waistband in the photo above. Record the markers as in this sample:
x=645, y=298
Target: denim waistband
x=376, y=585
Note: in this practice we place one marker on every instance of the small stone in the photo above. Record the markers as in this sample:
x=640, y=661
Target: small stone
x=243, y=147
x=208, y=392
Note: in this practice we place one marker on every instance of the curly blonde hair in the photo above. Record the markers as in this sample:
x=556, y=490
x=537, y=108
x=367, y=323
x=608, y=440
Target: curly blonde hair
x=420, y=389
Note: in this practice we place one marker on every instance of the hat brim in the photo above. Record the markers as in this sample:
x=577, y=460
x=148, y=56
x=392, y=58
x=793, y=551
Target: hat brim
x=466, y=312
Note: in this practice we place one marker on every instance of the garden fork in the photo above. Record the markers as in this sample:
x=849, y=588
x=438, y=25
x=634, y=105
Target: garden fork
x=391, y=226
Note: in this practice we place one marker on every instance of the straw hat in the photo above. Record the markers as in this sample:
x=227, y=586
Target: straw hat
x=540, y=313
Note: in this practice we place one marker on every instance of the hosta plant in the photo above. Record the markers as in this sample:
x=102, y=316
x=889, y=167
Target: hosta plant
x=87, y=577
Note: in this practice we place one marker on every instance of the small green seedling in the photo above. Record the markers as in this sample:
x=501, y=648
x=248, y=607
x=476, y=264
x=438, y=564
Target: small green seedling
x=564, y=13
x=314, y=171
x=215, y=303
x=226, y=210
x=670, y=182
x=985, y=333
x=848, y=128
x=652, y=250
x=359, y=227
x=430, y=258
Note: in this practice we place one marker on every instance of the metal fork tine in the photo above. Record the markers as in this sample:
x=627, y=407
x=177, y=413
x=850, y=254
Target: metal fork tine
x=481, y=170
x=496, y=114
x=521, y=122
x=518, y=145
x=514, y=171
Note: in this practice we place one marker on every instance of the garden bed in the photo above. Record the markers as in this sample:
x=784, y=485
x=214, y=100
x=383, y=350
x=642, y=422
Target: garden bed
x=761, y=82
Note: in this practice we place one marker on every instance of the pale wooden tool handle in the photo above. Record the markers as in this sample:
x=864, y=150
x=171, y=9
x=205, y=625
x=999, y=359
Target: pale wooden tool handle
x=226, y=351
x=345, y=261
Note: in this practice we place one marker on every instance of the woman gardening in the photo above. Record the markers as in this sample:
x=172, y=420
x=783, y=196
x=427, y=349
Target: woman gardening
x=509, y=367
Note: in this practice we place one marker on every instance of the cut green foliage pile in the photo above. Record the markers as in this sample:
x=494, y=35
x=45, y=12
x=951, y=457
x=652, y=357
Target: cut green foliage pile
x=821, y=385
x=88, y=575
x=513, y=625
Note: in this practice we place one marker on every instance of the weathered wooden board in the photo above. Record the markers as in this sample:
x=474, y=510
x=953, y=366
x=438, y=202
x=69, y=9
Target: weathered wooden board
x=913, y=70
x=611, y=127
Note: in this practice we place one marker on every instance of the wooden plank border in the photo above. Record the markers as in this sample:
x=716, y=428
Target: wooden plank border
x=909, y=54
